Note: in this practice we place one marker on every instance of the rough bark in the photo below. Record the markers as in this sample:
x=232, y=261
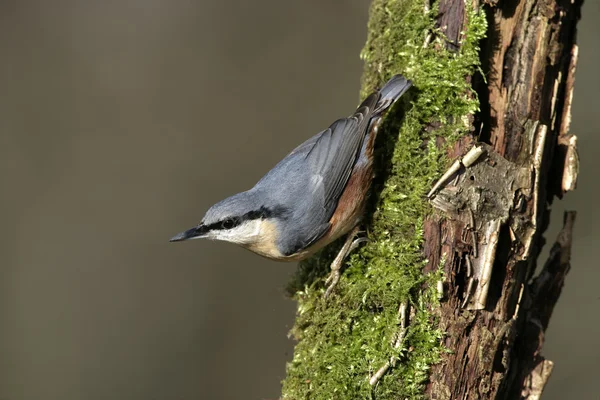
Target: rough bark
x=489, y=220
x=378, y=336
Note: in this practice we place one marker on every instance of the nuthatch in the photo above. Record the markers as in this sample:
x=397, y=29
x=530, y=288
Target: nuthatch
x=316, y=194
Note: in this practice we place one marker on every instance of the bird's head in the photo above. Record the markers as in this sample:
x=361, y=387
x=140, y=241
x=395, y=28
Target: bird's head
x=239, y=219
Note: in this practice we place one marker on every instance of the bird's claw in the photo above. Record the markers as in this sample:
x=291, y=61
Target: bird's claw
x=332, y=280
x=357, y=243
x=352, y=242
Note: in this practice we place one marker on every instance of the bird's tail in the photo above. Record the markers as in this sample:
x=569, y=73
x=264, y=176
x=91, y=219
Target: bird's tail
x=391, y=91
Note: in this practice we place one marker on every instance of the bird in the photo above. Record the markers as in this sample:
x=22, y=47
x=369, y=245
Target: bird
x=312, y=197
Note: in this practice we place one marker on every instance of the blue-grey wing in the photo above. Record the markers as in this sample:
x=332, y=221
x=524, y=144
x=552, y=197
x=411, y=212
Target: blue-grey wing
x=333, y=154
x=311, y=179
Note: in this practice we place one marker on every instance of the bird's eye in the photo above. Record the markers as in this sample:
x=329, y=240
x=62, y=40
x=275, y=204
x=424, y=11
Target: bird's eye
x=227, y=224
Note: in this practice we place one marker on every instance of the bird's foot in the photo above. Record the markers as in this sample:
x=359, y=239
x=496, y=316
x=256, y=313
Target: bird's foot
x=352, y=242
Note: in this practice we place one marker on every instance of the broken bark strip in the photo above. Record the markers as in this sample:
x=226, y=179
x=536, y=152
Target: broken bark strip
x=490, y=220
x=527, y=377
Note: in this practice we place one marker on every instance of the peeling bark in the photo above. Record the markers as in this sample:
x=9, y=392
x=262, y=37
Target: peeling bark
x=490, y=218
x=489, y=213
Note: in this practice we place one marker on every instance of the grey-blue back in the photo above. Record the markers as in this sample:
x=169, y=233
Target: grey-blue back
x=306, y=185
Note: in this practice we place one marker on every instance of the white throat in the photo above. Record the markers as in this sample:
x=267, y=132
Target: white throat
x=247, y=232
x=259, y=236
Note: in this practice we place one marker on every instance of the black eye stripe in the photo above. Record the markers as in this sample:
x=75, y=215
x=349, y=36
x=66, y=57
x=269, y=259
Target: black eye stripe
x=227, y=223
x=232, y=222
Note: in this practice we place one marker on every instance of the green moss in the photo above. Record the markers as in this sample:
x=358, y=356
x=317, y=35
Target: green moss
x=344, y=340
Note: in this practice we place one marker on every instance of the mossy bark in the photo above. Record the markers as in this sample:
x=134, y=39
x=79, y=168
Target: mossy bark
x=440, y=303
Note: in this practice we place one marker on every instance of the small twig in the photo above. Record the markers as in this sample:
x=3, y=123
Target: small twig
x=518, y=306
x=468, y=292
x=468, y=160
x=379, y=374
x=472, y=156
x=454, y=168
x=403, y=316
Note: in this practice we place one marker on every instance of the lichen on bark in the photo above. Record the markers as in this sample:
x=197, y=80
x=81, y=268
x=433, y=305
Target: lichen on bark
x=344, y=340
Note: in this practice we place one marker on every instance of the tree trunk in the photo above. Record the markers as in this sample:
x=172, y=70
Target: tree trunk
x=496, y=315
x=385, y=334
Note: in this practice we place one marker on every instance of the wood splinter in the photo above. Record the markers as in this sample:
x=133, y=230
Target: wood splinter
x=466, y=161
x=492, y=234
x=571, y=165
x=468, y=292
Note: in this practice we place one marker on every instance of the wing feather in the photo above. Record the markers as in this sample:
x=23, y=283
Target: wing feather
x=334, y=152
x=326, y=161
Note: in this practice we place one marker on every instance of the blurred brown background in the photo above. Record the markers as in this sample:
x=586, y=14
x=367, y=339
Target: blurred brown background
x=121, y=122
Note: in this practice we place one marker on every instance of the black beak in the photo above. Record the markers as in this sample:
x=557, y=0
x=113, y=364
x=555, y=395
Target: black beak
x=195, y=232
